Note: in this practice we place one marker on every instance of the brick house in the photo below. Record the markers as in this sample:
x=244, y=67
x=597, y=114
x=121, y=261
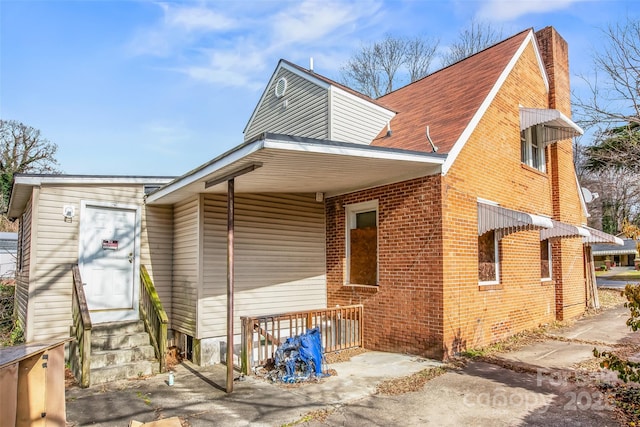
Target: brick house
x=449, y=208
x=501, y=117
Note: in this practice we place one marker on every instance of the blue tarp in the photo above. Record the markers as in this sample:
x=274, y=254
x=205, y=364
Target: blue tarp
x=301, y=357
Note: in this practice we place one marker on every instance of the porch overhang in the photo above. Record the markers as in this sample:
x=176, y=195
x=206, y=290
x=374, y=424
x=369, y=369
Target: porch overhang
x=288, y=164
x=562, y=229
x=555, y=125
x=507, y=221
x=598, y=236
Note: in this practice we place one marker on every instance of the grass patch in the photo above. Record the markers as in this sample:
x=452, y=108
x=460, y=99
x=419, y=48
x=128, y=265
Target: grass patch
x=610, y=298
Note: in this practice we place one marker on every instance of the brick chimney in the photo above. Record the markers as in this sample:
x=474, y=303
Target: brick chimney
x=569, y=284
x=555, y=55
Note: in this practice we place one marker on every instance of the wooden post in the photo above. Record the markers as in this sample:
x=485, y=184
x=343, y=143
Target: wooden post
x=230, y=265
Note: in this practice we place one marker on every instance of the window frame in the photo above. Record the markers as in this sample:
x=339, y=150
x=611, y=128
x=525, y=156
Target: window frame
x=496, y=249
x=537, y=160
x=550, y=260
x=351, y=212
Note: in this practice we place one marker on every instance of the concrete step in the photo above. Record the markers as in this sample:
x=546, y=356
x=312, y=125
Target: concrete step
x=118, y=341
x=124, y=371
x=118, y=328
x=102, y=358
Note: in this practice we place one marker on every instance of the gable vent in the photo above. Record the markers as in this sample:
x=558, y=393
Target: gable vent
x=281, y=87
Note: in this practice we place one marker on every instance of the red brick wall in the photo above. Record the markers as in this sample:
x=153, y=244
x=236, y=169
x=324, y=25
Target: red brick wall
x=428, y=301
x=404, y=312
x=489, y=167
x=570, y=288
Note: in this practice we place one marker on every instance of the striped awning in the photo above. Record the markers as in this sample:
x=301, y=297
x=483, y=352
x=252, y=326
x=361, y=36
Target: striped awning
x=598, y=236
x=555, y=125
x=507, y=221
x=562, y=229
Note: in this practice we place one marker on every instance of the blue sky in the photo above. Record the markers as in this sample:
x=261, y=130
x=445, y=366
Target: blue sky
x=129, y=87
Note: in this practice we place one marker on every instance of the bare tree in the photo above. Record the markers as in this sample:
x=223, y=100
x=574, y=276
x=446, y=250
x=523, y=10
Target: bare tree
x=23, y=149
x=614, y=95
x=379, y=68
x=476, y=37
x=611, y=107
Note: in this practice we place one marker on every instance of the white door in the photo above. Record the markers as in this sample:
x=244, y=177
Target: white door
x=107, y=261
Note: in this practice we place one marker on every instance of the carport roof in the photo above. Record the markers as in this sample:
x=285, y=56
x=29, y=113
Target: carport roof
x=287, y=164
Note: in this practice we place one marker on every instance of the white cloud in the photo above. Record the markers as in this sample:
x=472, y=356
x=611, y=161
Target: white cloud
x=231, y=44
x=312, y=20
x=197, y=18
x=506, y=10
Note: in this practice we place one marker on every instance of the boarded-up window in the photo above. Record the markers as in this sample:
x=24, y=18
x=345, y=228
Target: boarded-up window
x=545, y=259
x=363, y=244
x=487, y=257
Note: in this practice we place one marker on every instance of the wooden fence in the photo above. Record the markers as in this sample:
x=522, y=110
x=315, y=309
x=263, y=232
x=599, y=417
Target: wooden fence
x=340, y=329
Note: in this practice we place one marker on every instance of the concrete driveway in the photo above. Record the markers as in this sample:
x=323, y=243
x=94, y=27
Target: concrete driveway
x=539, y=385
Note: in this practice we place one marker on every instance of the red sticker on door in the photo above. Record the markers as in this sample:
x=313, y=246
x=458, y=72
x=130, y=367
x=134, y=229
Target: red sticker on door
x=111, y=245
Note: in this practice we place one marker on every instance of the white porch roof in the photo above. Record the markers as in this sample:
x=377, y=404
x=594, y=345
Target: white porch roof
x=282, y=163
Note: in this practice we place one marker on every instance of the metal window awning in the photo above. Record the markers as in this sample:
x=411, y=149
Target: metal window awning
x=562, y=229
x=598, y=236
x=507, y=221
x=555, y=125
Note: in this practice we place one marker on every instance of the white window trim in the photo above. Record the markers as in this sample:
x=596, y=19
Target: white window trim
x=542, y=158
x=350, y=222
x=548, y=279
x=496, y=249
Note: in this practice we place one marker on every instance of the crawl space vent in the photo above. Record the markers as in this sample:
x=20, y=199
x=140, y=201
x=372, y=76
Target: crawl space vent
x=281, y=87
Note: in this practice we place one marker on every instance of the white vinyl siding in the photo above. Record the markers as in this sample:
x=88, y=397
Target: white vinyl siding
x=279, y=257
x=55, y=250
x=186, y=254
x=354, y=120
x=306, y=113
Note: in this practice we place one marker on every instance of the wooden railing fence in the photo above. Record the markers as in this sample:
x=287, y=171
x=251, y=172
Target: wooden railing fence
x=81, y=330
x=340, y=328
x=154, y=317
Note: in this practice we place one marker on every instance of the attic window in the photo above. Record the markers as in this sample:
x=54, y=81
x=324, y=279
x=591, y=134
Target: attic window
x=281, y=87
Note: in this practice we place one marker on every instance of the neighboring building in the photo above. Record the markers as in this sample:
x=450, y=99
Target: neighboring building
x=341, y=199
x=610, y=255
x=8, y=252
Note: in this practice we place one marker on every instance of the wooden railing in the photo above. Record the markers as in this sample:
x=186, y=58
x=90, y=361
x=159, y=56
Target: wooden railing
x=81, y=329
x=154, y=317
x=340, y=329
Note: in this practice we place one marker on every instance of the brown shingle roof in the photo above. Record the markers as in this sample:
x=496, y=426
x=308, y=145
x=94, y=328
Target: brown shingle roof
x=446, y=100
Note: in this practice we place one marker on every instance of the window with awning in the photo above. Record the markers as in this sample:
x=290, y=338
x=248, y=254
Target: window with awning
x=506, y=221
x=552, y=125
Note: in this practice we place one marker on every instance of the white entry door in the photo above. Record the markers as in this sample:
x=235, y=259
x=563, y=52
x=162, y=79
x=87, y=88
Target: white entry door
x=107, y=261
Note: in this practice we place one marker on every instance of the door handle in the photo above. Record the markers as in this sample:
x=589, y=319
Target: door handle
x=130, y=257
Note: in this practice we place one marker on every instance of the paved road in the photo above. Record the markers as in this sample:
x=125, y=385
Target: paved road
x=606, y=282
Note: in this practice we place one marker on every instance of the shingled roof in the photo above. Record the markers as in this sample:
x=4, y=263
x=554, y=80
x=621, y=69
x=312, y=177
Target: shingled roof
x=446, y=100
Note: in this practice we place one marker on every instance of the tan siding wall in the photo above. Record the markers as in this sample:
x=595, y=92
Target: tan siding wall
x=353, y=121
x=157, y=254
x=22, y=274
x=306, y=114
x=185, y=266
x=279, y=254
x=57, y=250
